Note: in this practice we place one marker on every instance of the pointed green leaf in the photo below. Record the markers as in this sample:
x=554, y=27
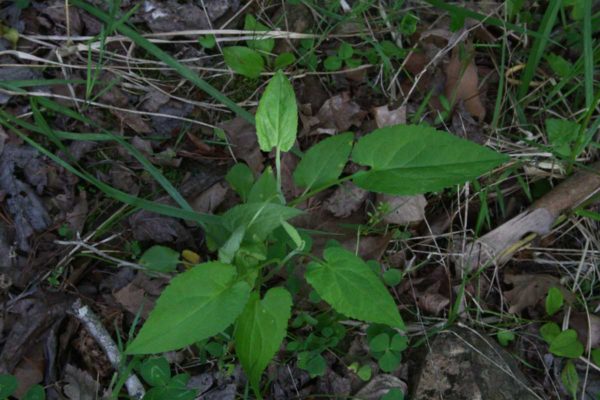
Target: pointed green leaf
x=265, y=189
x=244, y=61
x=277, y=115
x=284, y=60
x=570, y=379
x=156, y=371
x=554, y=301
x=348, y=284
x=324, y=162
x=567, y=345
x=413, y=159
x=197, y=304
x=260, y=329
x=160, y=258
x=260, y=219
x=549, y=331
x=261, y=43
x=241, y=179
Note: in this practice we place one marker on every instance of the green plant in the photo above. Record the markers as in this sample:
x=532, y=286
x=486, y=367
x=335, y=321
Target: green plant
x=206, y=299
x=386, y=346
x=156, y=372
x=9, y=384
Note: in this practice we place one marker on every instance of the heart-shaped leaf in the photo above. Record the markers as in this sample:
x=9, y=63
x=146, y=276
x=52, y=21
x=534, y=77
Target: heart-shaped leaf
x=567, y=345
x=349, y=285
x=260, y=329
x=197, y=304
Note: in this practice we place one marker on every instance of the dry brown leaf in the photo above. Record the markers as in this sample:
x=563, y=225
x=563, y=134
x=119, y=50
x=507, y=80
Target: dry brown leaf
x=210, y=199
x=30, y=370
x=403, y=209
x=346, y=199
x=133, y=299
x=244, y=144
x=587, y=330
x=77, y=216
x=337, y=115
x=530, y=289
x=386, y=117
x=80, y=385
x=462, y=84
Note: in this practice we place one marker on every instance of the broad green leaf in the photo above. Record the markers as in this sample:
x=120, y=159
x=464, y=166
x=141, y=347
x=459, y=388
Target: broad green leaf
x=567, y=345
x=549, y=331
x=208, y=41
x=399, y=343
x=293, y=234
x=332, y=63
x=345, y=51
x=392, y=277
x=596, y=356
x=156, y=371
x=505, y=337
x=260, y=329
x=413, y=159
x=265, y=189
x=347, y=283
x=364, y=372
x=232, y=245
x=277, y=115
x=559, y=65
x=8, y=384
x=554, y=301
x=324, y=162
x=284, y=60
x=36, y=392
x=260, y=219
x=570, y=379
x=196, y=305
x=241, y=179
x=261, y=43
x=389, y=361
x=312, y=362
x=393, y=394
x=160, y=258
x=244, y=61
x=561, y=134
x=380, y=343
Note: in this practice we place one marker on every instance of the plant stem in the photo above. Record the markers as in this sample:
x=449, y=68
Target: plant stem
x=278, y=171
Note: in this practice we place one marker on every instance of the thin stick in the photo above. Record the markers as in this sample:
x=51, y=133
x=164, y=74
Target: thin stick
x=92, y=323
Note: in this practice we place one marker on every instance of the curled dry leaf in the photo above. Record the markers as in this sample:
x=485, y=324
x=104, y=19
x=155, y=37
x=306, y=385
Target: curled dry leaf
x=336, y=115
x=403, y=209
x=379, y=386
x=346, y=199
x=210, y=199
x=244, y=144
x=587, y=327
x=386, y=117
x=431, y=301
x=462, y=84
x=79, y=384
x=530, y=289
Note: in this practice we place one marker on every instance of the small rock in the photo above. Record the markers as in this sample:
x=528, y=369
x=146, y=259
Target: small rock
x=463, y=365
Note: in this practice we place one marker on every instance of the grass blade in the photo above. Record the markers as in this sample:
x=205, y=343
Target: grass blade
x=539, y=45
x=167, y=59
x=588, y=55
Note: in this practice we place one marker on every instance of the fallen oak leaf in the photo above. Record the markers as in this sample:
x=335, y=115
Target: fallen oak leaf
x=462, y=84
x=531, y=289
